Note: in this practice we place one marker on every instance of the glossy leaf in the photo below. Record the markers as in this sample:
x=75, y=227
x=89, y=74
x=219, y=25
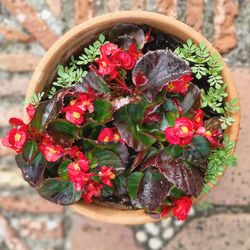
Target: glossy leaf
x=124, y=33
x=44, y=112
x=63, y=170
x=127, y=121
x=62, y=132
x=192, y=99
x=33, y=171
x=59, y=191
x=153, y=190
x=30, y=149
x=189, y=179
x=159, y=67
x=102, y=111
x=93, y=81
x=133, y=184
x=109, y=159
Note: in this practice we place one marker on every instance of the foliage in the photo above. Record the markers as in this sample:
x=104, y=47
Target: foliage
x=34, y=99
x=218, y=161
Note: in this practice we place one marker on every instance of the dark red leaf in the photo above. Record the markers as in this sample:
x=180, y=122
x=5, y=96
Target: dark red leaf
x=159, y=67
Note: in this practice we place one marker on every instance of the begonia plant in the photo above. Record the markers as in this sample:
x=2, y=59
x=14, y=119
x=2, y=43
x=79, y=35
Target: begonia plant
x=137, y=120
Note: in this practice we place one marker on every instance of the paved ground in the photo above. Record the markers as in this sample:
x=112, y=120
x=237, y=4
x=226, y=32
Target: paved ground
x=221, y=221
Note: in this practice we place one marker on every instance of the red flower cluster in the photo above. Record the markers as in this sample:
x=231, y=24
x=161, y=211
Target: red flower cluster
x=109, y=135
x=50, y=150
x=77, y=107
x=82, y=178
x=114, y=58
x=182, y=207
x=184, y=130
x=180, y=85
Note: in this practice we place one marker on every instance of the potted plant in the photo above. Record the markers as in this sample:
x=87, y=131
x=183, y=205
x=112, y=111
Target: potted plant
x=131, y=117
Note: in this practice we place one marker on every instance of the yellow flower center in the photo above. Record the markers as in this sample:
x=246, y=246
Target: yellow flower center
x=77, y=167
x=106, y=139
x=112, y=176
x=73, y=102
x=184, y=129
x=104, y=64
x=208, y=133
x=76, y=115
x=198, y=119
x=171, y=86
x=85, y=103
x=52, y=151
x=117, y=137
x=17, y=137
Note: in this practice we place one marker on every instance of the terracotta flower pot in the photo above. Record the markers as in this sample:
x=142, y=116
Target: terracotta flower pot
x=82, y=35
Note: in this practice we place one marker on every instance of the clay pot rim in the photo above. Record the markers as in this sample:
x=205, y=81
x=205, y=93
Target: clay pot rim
x=176, y=28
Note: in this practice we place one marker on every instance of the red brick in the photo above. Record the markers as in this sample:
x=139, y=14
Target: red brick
x=31, y=21
x=225, y=12
x=83, y=10
x=195, y=13
x=12, y=34
x=24, y=204
x=92, y=235
x=16, y=86
x=167, y=7
x=10, y=237
x=21, y=62
x=233, y=188
x=55, y=6
x=138, y=4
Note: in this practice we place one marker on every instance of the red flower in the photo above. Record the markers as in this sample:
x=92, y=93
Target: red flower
x=13, y=121
x=50, y=150
x=165, y=210
x=106, y=135
x=92, y=189
x=31, y=110
x=106, y=175
x=109, y=135
x=84, y=102
x=123, y=59
x=108, y=49
x=182, y=132
x=105, y=67
x=180, y=85
x=212, y=136
x=78, y=173
x=73, y=114
x=15, y=139
x=198, y=119
x=182, y=207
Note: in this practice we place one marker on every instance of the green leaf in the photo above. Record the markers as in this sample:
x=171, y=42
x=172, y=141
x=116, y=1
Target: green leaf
x=30, y=150
x=62, y=132
x=109, y=159
x=201, y=146
x=63, y=170
x=133, y=184
x=102, y=111
x=59, y=191
x=177, y=193
x=128, y=120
